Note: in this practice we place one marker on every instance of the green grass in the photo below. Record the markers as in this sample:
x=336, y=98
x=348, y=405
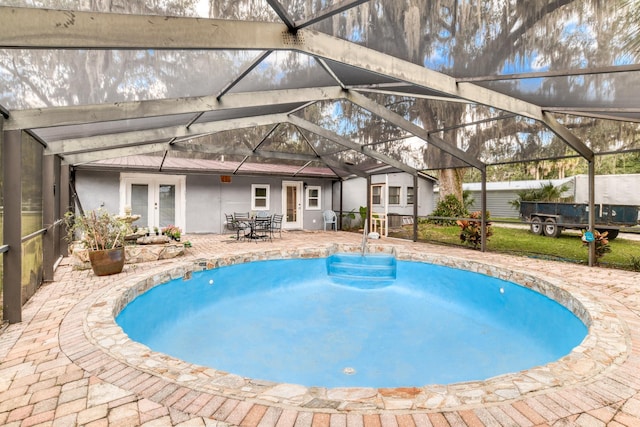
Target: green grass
x=625, y=254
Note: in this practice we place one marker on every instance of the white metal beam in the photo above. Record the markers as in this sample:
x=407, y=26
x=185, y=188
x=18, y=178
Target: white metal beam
x=100, y=142
x=61, y=116
x=564, y=134
x=80, y=158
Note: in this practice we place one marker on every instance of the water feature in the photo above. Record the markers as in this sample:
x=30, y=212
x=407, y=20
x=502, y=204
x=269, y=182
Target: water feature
x=290, y=321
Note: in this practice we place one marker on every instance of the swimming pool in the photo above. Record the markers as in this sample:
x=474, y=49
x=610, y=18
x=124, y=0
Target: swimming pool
x=287, y=321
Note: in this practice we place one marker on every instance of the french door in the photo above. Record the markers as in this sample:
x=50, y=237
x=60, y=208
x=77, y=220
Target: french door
x=292, y=205
x=158, y=199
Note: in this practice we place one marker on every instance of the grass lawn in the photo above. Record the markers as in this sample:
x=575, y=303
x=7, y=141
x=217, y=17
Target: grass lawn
x=625, y=254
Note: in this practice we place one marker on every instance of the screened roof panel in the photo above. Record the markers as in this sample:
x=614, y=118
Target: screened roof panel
x=106, y=128
x=611, y=90
x=85, y=77
x=234, y=113
x=502, y=64
x=323, y=146
x=352, y=76
x=462, y=39
x=284, y=70
x=409, y=151
x=286, y=138
x=508, y=140
x=301, y=11
x=603, y=136
x=258, y=10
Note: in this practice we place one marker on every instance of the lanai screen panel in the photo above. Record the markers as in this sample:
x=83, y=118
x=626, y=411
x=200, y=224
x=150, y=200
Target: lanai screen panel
x=284, y=70
x=502, y=38
x=86, y=77
x=258, y=10
x=604, y=93
x=52, y=134
x=511, y=139
x=604, y=136
x=465, y=39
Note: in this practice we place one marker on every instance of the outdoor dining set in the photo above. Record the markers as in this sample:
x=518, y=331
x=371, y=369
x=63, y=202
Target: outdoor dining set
x=261, y=226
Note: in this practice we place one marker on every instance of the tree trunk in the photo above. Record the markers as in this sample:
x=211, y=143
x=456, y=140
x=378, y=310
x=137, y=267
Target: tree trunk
x=451, y=182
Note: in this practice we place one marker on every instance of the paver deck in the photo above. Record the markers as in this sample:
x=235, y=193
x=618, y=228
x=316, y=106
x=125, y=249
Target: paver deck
x=58, y=370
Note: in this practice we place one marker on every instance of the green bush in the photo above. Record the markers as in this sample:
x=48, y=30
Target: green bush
x=451, y=207
x=471, y=230
x=601, y=240
x=546, y=193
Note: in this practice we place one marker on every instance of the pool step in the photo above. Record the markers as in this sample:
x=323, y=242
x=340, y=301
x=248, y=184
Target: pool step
x=355, y=267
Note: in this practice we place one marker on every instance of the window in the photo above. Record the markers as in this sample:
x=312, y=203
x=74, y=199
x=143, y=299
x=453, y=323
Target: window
x=313, y=197
x=376, y=195
x=409, y=195
x=260, y=197
x=394, y=195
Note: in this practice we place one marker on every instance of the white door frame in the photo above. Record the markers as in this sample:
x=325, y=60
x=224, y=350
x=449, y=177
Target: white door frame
x=299, y=223
x=154, y=181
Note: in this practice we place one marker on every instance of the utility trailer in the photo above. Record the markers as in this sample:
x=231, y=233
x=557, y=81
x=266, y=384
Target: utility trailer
x=550, y=218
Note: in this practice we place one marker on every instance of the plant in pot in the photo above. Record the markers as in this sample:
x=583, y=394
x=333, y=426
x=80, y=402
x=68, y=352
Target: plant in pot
x=102, y=234
x=173, y=232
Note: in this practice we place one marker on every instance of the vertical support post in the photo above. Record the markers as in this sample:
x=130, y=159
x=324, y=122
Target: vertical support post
x=592, y=211
x=367, y=224
x=65, y=204
x=48, y=217
x=341, y=206
x=12, y=227
x=415, y=207
x=483, y=204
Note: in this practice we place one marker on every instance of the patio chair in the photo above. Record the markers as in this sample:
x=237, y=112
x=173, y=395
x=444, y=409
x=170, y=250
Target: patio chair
x=239, y=216
x=262, y=227
x=276, y=225
x=330, y=218
x=233, y=224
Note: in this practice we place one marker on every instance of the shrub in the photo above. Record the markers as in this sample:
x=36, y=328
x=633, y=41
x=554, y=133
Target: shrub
x=601, y=241
x=450, y=207
x=98, y=229
x=634, y=261
x=471, y=230
x=546, y=193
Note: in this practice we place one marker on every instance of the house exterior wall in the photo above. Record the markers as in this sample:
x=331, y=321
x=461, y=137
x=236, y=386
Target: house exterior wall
x=98, y=190
x=498, y=203
x=355, y=194
x=207, y=199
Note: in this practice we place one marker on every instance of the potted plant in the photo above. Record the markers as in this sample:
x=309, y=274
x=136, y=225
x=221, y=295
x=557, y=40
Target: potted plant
x=102, y=234
x=173, y=232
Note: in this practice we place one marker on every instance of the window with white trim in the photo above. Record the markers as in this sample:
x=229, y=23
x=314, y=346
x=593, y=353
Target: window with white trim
x=409, y=195
x=394, y=195
x=376, y=194
x=260, y=197
x=313, y=197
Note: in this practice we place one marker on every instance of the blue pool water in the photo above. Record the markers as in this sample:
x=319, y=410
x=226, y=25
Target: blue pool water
x=289, y=321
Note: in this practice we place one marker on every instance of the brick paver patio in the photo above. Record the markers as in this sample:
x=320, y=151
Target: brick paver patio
x=54, y=374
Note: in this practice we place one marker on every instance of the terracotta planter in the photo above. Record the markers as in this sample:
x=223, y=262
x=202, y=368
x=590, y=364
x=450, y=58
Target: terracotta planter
x=108, y=261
